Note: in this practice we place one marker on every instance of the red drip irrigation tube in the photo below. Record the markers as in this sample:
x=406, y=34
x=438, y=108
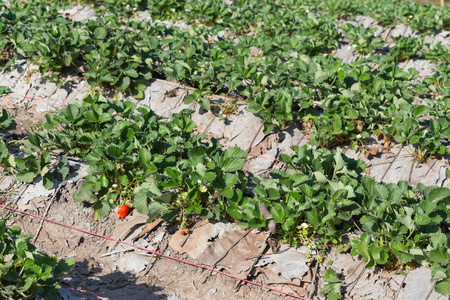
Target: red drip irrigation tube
x=78, y=291
x=37, y=99
x=153, y=252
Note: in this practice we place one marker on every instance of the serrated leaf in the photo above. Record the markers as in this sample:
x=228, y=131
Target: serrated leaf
x=278, y=212
x=440, y=255
x=232, y=164
x=145, y=156
x=140, y=201
x=100, y=33
x=101, y=209
x=26, y=176
x=439, y=194
x=82, y=195
x=124, y=83
x=443, y=287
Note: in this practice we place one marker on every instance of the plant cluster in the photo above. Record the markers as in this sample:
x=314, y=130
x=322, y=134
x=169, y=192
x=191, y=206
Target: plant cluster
x=423, y=18
x=280, y=78
x=276, y=64
x=323, y=194
x=141, y=160
x=31, y=165
x=25, y=272
x=162, y=169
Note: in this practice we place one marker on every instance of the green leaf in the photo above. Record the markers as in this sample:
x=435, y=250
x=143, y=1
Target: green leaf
x=438, y=239
x=438, y=273
x=155, y=209
x=124, y=83
x=333, y=288
x=4, y=90
x=47, y=181
x=356, y=87
x=140, y=201
x=443, y=287
x=189, y=99
x=380, y=191
x=114, y=151
x=145, y=156
x=84, y=196
x=422, y=219
x=440, y=255
x=232, y=164
x=100, y=33
x=132, y=73
x=229, y=179
x=204, y=103
x=330, y=276
x=63, y=267
x=235, y=152
x=278, y=212
x=26, y=176
x=102, y=209
x=439, y=194
x=312, y=218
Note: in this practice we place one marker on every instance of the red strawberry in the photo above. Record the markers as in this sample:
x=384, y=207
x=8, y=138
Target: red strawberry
x=308, y=138
x=187, y=231
x=29, y=75
x=122, y=211
x=183, y=232
x=380, y=136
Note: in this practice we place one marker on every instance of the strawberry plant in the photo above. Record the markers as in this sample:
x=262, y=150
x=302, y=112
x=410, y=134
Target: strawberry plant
x=364, y=40
x=6, y=121
x=137, y=159
x=25, y=272
x=438, y=52
x=323, y=194
x=302, y=195
x=30, y=165
x=406, y=48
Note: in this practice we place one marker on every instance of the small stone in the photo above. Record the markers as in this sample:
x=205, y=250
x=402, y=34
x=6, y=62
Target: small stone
x=212, y=291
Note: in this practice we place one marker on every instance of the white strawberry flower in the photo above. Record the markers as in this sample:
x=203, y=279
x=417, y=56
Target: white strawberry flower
x=358, y=136
x=203, y=189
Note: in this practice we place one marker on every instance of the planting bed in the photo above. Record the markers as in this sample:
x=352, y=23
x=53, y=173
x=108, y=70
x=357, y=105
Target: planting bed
x=301, y=106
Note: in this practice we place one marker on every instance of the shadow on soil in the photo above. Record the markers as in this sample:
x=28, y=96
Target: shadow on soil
x=87, y=277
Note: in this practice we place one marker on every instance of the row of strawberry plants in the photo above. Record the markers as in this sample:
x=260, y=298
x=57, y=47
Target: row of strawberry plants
x=240, y=16
x=24, y=271
x=28, y=166
x=134, y=155
x=280, y=88
x=388, y=13
x=138, y=159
